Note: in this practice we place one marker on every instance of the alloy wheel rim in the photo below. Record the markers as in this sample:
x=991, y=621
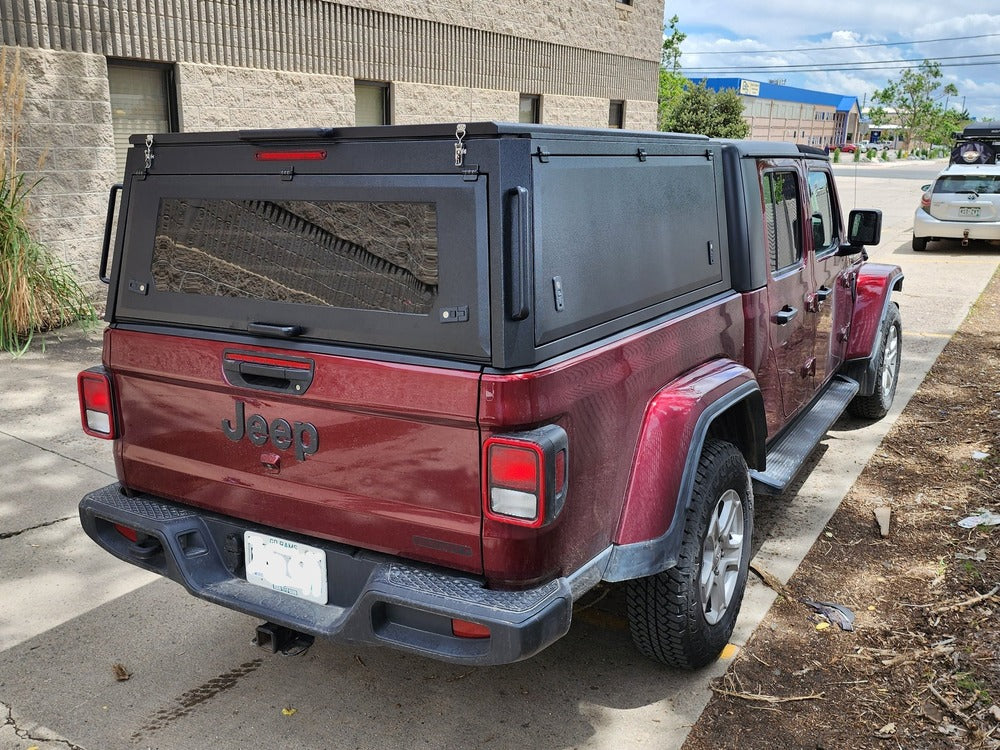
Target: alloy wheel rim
x=890, y=360
x=721, y=555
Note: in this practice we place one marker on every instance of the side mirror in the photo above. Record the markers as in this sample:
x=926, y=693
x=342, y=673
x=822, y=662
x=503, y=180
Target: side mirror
x=864, y=227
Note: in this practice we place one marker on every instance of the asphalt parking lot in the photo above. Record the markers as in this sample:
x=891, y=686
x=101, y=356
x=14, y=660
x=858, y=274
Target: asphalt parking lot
x=71, y=612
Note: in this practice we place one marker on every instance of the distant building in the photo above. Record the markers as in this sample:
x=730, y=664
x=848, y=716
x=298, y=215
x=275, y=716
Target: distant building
x=786, y=113
x=99, y=70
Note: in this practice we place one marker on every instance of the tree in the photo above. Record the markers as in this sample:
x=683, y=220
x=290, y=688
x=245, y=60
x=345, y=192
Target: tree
x=670, y=56
x=672, y=81
x=946, y=124
x=915, y=97
x=700, y=110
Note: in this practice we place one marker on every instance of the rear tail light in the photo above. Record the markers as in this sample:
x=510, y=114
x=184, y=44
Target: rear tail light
x=96, y=403
x=126, y=531
x=525, y=476
x=925, y=201
x=466, y=629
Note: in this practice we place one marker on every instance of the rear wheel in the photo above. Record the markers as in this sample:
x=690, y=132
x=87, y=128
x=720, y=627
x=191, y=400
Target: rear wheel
x=890, y=350
x=919, y=244
x=684, y=616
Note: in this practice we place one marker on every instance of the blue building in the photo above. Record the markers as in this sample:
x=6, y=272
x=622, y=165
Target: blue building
x=786, y=113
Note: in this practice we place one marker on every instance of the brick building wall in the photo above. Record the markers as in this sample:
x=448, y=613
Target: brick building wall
x=294, y=63
x=66, y=146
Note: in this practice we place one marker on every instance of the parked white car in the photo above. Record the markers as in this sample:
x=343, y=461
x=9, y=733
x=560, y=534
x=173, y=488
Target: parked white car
x=963, y=203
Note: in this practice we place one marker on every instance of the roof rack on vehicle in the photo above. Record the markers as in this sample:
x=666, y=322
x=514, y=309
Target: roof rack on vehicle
x=978, y=143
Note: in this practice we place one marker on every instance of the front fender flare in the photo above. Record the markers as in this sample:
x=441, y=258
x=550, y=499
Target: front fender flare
x=875, y=285
x=674, y=429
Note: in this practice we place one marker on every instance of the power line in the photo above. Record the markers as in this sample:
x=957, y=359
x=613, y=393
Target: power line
x=860, y=65
x=846, y=46
x=743, y=71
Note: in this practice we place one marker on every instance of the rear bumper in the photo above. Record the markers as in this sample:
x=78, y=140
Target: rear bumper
x=374, y=599
x=925, y=225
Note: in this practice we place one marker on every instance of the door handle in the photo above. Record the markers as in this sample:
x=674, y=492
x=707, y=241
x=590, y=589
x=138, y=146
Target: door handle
x=785, y=314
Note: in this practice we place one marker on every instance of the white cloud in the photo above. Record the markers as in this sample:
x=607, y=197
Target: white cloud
x=713, y=26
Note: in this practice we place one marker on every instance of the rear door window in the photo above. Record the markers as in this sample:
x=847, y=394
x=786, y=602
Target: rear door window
x=781, y=219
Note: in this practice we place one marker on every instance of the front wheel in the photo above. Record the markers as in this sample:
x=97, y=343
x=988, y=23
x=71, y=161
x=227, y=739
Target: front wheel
x=684, y=616
x=889, y=353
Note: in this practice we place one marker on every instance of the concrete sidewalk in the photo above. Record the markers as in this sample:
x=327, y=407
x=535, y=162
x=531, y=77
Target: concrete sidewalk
x=50, y=572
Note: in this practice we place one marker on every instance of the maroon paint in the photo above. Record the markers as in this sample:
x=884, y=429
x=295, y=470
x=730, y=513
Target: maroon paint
x=599, y=398
x=875, y=282
x=397, y=468
x=667, y=432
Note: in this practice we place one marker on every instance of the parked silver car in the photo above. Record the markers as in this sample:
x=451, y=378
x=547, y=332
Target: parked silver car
x=962, y=203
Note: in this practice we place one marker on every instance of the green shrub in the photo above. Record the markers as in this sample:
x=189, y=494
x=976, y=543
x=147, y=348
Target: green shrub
x=37, y=291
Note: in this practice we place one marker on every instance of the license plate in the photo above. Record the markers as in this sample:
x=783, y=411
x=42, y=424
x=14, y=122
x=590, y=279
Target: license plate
x=968, y=210
x=289, y=567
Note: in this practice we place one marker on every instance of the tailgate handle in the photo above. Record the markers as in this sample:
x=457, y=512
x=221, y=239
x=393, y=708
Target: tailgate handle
x=102, y=271
x=267, y=373
x=274, y=329
x=518, y=275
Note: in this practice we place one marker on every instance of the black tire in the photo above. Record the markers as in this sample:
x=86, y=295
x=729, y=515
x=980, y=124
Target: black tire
x=919, y=244
x=890, y=350
x=668, y=617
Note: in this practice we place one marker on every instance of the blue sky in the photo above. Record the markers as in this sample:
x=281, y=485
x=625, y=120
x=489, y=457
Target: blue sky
x=740, y=29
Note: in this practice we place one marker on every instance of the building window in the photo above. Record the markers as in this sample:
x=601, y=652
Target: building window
x=530, y=109
x=143, y=100
x=616, y=114
x=371, y=103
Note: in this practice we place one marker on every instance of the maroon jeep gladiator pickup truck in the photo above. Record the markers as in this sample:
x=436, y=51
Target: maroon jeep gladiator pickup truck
x=425, y=386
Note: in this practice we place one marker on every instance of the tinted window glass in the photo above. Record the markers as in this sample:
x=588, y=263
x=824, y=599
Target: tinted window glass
x=367, y=256
x=823, y=216
x=781, y=216
x=989, y=184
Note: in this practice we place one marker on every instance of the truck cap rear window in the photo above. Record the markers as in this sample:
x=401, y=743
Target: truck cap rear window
x=360, y=255
x=396, y=262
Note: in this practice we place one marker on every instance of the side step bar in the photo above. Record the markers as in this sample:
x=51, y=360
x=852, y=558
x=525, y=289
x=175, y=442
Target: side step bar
x=789, y=451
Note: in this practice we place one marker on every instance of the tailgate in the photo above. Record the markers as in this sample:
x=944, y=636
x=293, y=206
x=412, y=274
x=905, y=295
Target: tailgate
x=376, y=454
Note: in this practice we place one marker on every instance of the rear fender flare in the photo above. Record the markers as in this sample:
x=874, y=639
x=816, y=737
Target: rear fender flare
x=676, y=423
